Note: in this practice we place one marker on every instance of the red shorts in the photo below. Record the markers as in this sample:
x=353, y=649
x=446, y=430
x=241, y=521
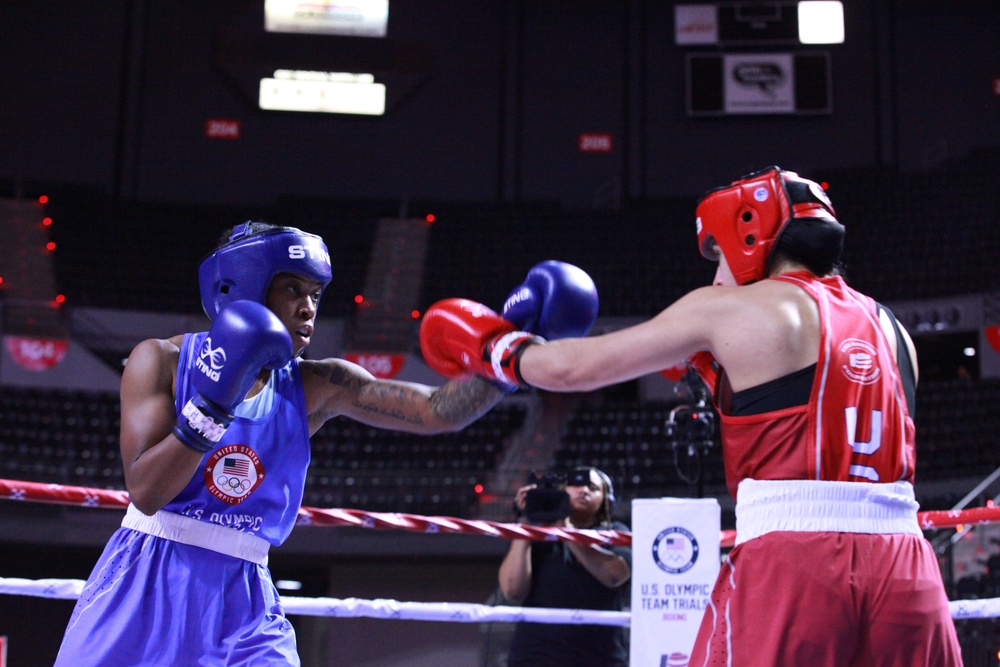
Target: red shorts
x=829, y=600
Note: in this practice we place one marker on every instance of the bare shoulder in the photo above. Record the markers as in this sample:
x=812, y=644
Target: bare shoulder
x=156, y=351
x=328, y=383
x=763, y=331
x=152, y=366
x=717, y=307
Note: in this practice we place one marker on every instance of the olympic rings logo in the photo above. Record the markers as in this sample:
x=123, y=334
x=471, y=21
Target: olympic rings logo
x=675, y=550
x=216, y=358
x=234, y=484
x=233, y=473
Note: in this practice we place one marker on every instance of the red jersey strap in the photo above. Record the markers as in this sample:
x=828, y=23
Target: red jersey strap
x=707, y=368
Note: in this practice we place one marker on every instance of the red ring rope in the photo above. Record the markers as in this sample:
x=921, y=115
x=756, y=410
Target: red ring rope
x=112, y=499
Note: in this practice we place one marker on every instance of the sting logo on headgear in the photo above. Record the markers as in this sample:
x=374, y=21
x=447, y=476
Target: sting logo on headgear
x=312, y=252
x=244, y=267
x=215, y=358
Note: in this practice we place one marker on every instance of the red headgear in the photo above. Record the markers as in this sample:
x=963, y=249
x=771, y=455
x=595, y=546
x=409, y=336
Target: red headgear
x=745, y=218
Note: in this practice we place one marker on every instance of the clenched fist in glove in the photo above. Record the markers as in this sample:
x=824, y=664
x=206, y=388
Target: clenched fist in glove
x=245, y=337
x=458, y=337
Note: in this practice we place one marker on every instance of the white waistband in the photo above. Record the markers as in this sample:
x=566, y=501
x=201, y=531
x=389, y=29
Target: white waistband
x=186, y=530
x=764, y=506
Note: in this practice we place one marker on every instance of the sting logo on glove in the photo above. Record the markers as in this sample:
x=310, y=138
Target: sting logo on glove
x=216, y=360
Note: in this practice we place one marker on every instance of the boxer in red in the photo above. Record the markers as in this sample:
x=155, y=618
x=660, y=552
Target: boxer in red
x=814, y=384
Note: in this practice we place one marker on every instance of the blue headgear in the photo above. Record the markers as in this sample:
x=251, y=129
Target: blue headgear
x=244, y=267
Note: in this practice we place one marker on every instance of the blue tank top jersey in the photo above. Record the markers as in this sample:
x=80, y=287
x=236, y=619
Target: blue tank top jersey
x=254, y=478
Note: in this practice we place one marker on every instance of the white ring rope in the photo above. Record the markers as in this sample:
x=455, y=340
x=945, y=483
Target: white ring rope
x=454, y=612
x=70, y=589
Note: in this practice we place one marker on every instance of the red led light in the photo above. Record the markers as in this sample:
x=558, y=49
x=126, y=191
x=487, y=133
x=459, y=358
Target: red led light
x=415, y=314
x=1, y=281
x=46, y=221
x=430, y=218
x=51, y=245
x=479, y=488
x=824, y=185
x=359, y=299
x=44, y=199
x=60, y=298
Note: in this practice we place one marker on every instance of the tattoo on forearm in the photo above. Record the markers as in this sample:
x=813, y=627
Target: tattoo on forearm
x=454, y=403
x=390, y=401
x=457, y=401
x=395, y=414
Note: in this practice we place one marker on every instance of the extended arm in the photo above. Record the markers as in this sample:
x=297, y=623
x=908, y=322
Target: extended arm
x=338, y=387
x=556, y=299
x=777, y=321
x=459, y=336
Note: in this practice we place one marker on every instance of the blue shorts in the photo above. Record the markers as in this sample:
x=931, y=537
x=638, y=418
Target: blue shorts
x=153, y=601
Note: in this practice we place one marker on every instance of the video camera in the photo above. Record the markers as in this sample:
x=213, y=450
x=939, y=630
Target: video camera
x=690, y=429
x=693, y=422
x=691, y=425
x=548, y=502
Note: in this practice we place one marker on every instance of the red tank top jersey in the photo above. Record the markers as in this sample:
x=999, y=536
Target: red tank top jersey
x=856, y=426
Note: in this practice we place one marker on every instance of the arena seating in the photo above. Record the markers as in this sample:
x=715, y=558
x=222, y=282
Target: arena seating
x=361, y=467
x=60, y=437
x=72, y=438
x=910, y=236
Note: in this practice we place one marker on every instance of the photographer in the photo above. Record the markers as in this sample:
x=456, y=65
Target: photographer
x=567, y=575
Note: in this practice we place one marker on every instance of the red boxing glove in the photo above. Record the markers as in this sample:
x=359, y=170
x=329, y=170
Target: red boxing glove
x=458, y=336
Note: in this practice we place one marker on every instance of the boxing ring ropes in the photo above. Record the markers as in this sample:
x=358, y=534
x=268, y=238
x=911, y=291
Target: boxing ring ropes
x=69, y=589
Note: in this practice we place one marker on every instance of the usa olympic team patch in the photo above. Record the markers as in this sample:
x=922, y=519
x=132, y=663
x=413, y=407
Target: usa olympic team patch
x=232, y=473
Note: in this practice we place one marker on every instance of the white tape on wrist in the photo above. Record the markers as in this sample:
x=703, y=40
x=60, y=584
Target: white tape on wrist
x=202, y=424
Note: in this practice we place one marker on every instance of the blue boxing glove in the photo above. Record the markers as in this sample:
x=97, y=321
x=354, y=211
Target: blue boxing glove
x=556, y=300
x=245, y=337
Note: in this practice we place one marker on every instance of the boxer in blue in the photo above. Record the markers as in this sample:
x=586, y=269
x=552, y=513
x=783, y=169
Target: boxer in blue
x=215, y=431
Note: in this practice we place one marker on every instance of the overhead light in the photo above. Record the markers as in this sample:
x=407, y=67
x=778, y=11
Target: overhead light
x=821, y=22
x=361, y=18
x=322, y=92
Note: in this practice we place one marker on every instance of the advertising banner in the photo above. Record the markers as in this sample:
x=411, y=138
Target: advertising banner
x=675, y=560
x=759, y=83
